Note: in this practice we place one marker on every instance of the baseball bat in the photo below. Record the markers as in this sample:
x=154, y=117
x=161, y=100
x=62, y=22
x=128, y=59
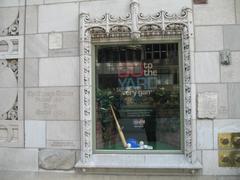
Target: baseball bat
x=120, y=132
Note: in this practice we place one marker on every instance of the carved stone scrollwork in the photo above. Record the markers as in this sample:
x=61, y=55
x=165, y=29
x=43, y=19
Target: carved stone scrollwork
x=13, y=29
x=133, y=27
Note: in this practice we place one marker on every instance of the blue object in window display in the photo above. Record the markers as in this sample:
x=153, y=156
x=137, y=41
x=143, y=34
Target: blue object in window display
x=133, y=142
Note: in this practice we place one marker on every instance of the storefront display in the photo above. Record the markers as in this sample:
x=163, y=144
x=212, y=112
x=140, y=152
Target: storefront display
x=137, y=88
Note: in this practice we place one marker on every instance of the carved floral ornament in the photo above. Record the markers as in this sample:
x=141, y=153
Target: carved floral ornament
x=134, y=26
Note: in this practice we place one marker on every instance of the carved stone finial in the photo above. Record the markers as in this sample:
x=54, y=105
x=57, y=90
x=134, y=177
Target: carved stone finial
x=134, y=7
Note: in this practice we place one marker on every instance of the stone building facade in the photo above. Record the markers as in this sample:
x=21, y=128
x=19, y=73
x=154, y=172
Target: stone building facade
x=47, y=76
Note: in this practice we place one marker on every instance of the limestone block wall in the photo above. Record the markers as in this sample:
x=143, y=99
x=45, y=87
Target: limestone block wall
x=47, y=85
x=217, y=28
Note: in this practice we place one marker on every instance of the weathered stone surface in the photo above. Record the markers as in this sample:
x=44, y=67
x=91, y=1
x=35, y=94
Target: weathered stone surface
x=224, y=126
x=51, y=20
x=62, y=71
x=56, y=159
x=52, y=103
x=37, y=45
x=55, y=41
x=204, y=134
x=34, y=2
x=11, y=133
x=210, y=165
x=35, y=134
x=31, y=19
x=234, y=100
x=63, y=52
x=215, y=12
x=221, y=90
x=121, y=7
x=7, y=76
x=18, y=159
x=7, y=16
x=63, y=134
x=230, y=73
x=207, y=105
x=231, y=37
x=207, y=68
x=213, y=35
x=238, y=11
x=70, y=39
x=8, y=98
x=31, y=72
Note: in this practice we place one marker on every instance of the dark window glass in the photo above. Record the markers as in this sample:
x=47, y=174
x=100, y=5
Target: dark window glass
x=137, y=88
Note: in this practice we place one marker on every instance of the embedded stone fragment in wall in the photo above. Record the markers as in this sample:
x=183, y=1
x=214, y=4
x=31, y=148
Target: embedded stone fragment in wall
x=57, y=159
x=200, y=1
x=207, y=105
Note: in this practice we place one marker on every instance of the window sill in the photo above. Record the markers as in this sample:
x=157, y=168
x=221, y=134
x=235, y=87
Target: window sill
x=141, y=161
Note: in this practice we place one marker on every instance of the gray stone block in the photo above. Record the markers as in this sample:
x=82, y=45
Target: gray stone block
x=231, y=37
x=207, y=67
x=50, y=19
x=63, y=134
x=63, y=52
x=215, y=12
x=230, y=73
x=57, y=159
x=52, y=103
x=70, y=39
x=234, y=100
x=31, y=19
x=221, y=90
x=18, y=159
x=209, y=38
x=204, y=134
x=238, y=11
x=36, y=45
x=31, y=72
x=34, y=2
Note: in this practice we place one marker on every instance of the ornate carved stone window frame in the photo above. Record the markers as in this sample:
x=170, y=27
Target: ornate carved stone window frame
x=134, y=26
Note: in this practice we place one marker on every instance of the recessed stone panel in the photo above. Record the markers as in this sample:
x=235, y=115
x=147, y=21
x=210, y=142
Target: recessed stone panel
x=207, y=67
x=231, y=37
x=209, y=38
x=62, y=71
x=63, y=134
x=35, y=134
x=63, y=52
x=58, y=17
x=57, y=159
x=55, y=40
x=52, y=103
x=70, y=39
x=37, y=45
x=204, y=134
x=215, y=12
x=207, y=103
x=221, y=90
x=234, y=100
x=230, y=73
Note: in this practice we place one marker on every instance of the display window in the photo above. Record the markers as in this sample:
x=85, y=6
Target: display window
x=138, y=97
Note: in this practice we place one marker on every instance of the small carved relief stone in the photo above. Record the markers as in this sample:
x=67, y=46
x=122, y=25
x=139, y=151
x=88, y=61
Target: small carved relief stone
x=200, y=1
x=55, y=40
x=207, y=105
x=57, y=159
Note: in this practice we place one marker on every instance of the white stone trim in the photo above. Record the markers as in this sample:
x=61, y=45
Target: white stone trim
x=161, y=23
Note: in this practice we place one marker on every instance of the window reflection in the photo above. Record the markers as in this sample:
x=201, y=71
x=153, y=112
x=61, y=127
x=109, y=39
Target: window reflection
x=141, y=83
